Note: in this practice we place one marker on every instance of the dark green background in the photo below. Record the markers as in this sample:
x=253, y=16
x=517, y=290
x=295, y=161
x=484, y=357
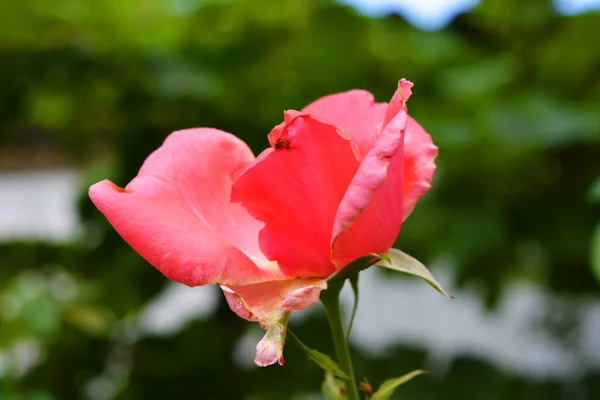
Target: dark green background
x=510, y=93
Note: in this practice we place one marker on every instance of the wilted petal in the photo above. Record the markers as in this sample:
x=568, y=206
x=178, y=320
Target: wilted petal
x=270, y=304
x=177, y=215
x=295, y=188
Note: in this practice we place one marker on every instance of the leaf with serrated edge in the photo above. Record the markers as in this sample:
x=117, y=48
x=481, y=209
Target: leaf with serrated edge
x=387, y=388
x=322, y=360
x=402, y=262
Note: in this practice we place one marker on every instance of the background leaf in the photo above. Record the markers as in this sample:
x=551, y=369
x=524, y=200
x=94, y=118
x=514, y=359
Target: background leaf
x=595, y=252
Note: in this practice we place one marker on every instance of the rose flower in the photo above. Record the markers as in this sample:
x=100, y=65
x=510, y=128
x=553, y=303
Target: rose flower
x=336, y=183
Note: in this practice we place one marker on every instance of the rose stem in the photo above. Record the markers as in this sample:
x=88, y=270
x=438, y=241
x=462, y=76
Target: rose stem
x=331, y=301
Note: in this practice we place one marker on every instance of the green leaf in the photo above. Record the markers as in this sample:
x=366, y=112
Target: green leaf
x=322, y=360
x=387, y=388
x=402, y=262
x=91, y=319
x=594, y=191
x=39, y=395
x=354, y=283
x=333, y=388
x=595, y=252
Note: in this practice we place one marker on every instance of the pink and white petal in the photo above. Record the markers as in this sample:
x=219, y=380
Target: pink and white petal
x=176, y=213
x=369, y=217
x=270, y=303
x=409, y=176
x=370, y=214
x=203, y=163
x=419, y=164
x=355, y=112
x=295, y=189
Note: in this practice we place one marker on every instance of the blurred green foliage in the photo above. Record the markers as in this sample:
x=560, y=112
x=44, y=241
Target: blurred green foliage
x=510, y=93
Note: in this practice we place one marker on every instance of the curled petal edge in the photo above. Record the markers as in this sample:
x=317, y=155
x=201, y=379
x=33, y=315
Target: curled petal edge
x=419, y=164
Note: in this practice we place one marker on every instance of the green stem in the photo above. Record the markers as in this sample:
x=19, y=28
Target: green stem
x=331, y=301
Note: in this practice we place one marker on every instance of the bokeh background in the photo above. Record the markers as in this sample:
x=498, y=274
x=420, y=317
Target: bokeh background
x=509, y=90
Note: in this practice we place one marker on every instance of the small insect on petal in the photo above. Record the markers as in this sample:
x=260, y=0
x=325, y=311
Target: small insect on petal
x=282, y=144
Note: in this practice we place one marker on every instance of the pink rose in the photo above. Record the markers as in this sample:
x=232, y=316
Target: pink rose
x=338, y=180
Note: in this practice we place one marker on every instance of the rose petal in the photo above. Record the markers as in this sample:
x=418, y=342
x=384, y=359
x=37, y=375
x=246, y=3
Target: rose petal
x=295, y=189
x=355, y=112
x=270, y=304
x=370, y=214
x=177, y=215
x=419, y=165
x=398, y=101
